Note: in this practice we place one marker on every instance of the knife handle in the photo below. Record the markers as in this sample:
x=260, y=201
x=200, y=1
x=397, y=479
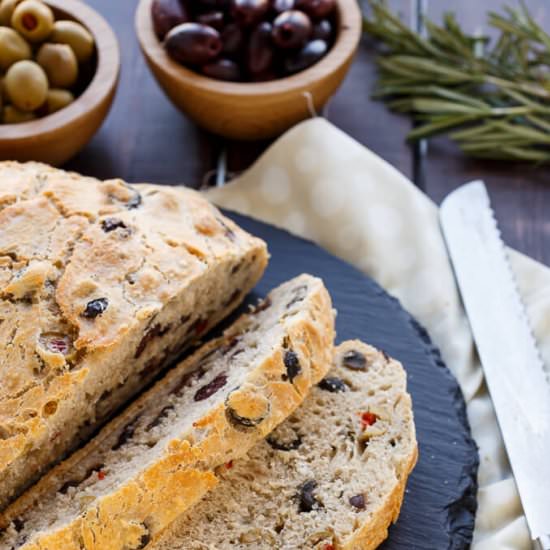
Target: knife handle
x=543, y=543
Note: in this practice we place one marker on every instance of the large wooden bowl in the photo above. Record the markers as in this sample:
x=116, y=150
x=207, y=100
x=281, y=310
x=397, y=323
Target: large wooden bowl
x=251, y=110
x=57, y=137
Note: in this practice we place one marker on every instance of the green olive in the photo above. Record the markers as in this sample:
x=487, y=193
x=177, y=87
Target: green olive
x=76, y=36
x=33, y=19
x=58, y=99
x=13, y=48
x=60, y=64
x=3, y=95
x=26, y=85
x=6, y=11
x=12, y=115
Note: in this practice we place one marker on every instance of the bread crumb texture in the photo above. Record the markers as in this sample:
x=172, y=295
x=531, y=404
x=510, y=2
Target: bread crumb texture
x=158, y=458
x=100, y=281
x=331, y=477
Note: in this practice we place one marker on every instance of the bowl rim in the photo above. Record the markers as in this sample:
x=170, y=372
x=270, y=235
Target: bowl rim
x=348, y=37
x=102, y=84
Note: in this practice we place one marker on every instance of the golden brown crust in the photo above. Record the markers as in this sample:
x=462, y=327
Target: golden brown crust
x=66, y=241
x=184, y=471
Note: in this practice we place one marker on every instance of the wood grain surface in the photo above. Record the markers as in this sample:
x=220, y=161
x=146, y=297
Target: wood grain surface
x=146, y=139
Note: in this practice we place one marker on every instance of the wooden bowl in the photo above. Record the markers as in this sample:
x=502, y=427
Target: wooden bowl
x=55, y=138
x=252, y=110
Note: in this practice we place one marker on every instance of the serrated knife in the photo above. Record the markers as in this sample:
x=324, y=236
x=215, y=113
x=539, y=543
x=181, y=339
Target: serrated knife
x=518, y=384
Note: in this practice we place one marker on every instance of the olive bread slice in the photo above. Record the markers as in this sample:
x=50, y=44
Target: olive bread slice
x=101, y=285
x=331, y=477
x=156, y=459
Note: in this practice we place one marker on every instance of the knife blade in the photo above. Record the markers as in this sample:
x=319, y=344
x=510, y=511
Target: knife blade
x=514, y=371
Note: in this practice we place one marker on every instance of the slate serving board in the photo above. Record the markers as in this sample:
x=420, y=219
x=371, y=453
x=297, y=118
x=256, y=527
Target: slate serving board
x=440, y=502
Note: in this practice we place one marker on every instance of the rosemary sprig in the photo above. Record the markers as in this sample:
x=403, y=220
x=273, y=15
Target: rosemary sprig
x=491, y=98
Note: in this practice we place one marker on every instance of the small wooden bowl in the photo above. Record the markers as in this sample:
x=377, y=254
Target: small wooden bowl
x=252, y=110
x=55, y=138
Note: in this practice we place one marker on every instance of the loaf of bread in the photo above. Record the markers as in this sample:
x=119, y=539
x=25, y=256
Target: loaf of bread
x=156, y=459
x=331, y=477
x=101, y=284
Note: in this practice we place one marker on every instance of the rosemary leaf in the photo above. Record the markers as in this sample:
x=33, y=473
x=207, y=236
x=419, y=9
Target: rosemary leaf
x=427, y=105
x=435, y=127
x=527, y=154
x=540, y=122
x=494, y=103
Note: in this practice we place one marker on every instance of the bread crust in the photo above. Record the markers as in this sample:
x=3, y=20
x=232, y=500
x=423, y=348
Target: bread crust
x=138, y=509
x=88, y=270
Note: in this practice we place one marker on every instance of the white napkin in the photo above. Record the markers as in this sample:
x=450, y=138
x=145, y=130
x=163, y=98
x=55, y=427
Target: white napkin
x=319, y=183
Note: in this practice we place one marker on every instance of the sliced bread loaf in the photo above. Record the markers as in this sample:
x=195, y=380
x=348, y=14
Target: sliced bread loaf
x=332, y=476
x=101, y=284
x=156, y=459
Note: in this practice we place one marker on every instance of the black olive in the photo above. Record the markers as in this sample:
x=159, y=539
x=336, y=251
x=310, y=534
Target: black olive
x=18, y=524
x=233, y=39
x=248, y=12
x=316, y=8
x=144, y=540
x=211, y=388
x=333, y=384
x=354, y=360
x=260, y=49
x=278, y=6
x=322, y=30
x=213, y=19
x=291, y=29
x=193, y=43
x=292, y=365
x=167, y=14
x=307, y=499
x=110, y=224
x=358, y=501
x=307, y=56
x=278, y=446
x=299, y=294
x=126, y=434
x=238, y=421
x=222, y=69
x=95, y=307
x=160, y=416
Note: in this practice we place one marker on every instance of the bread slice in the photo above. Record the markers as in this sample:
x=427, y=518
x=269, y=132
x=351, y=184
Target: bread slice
x=101, y=284
x=332, y=476
x=156, y=459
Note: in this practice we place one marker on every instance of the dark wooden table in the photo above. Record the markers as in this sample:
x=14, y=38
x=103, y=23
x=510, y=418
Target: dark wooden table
x=146, y=139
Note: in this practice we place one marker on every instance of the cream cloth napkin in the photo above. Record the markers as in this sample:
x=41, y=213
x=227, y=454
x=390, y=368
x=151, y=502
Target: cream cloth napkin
x=320, y=184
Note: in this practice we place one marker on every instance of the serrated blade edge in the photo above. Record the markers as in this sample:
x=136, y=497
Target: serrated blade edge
x=513, y=368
